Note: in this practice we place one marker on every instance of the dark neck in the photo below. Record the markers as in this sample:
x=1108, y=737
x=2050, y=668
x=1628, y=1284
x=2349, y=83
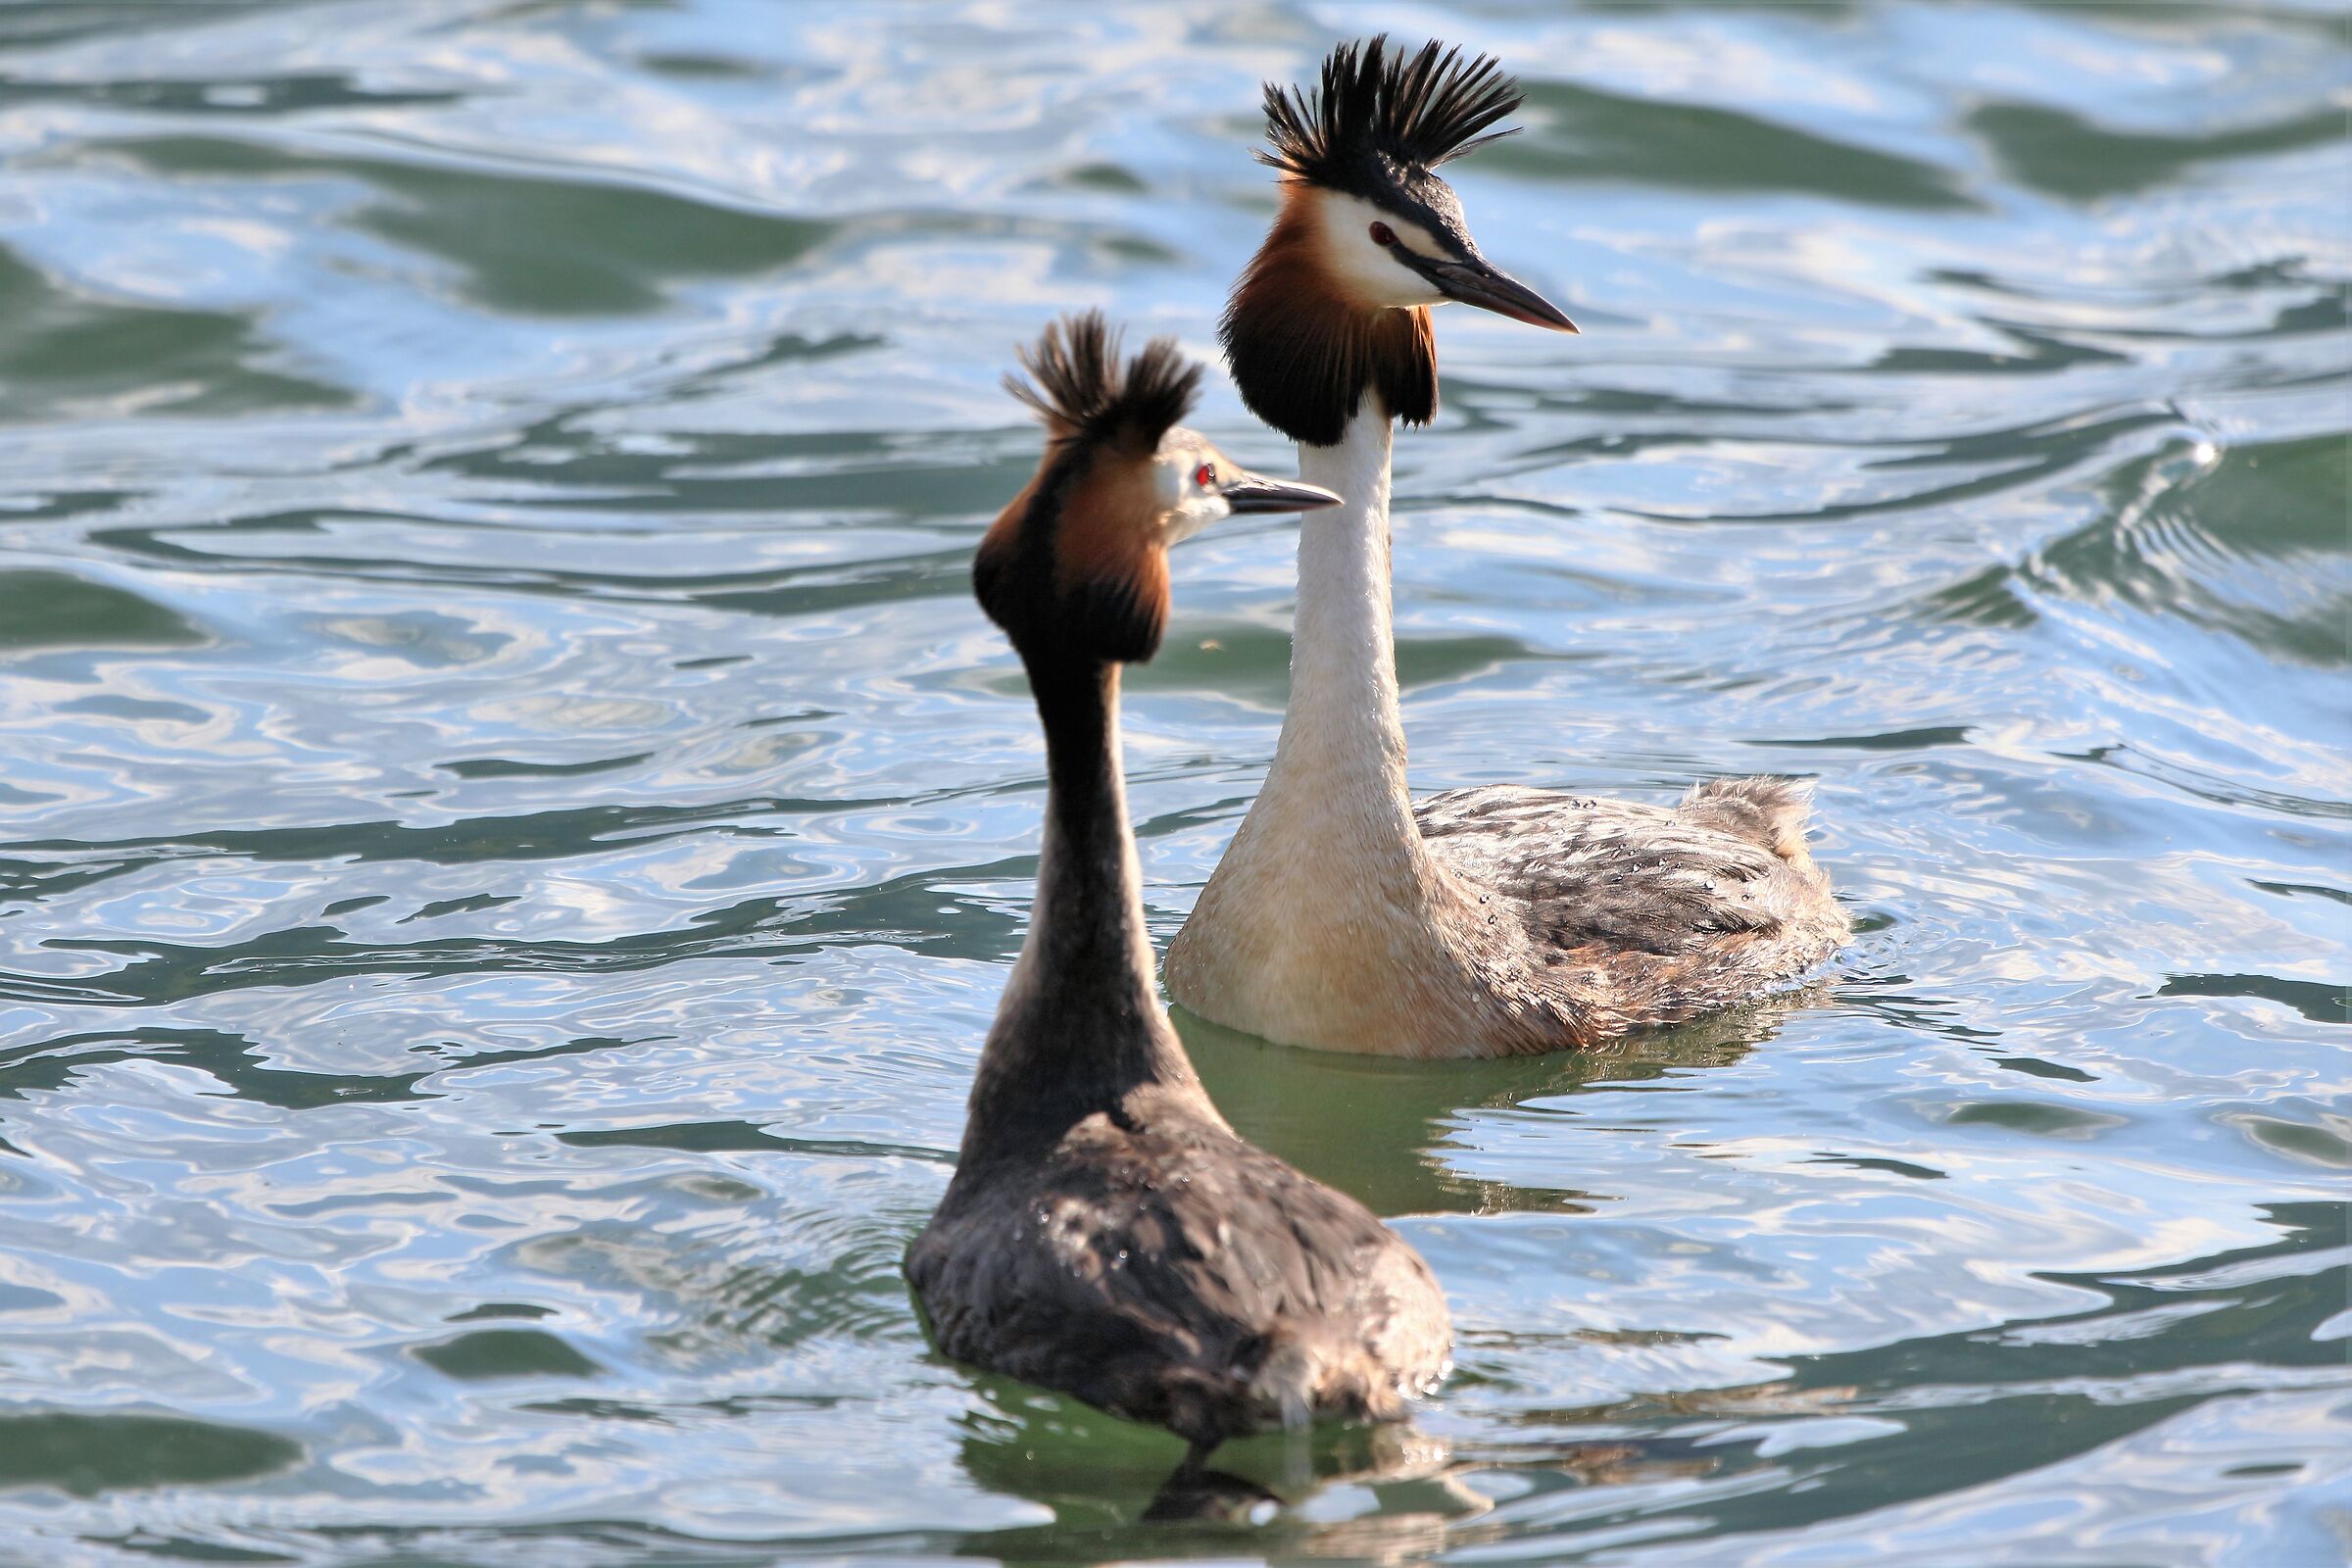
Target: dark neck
x=1080, y=1026
x=1304, y=356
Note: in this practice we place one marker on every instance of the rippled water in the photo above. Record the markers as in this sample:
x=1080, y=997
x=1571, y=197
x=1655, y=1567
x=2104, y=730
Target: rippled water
x=514, y=826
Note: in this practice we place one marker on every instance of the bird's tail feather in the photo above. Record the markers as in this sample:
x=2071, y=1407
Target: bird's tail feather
x=1771, y=812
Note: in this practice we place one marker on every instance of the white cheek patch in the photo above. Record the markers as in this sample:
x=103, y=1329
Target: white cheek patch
x=1185, y=509
x=1168, y=481
x=1196, y=514
x=1364, y=265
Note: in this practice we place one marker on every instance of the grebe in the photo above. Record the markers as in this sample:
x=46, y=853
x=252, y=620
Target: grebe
x=1106, y=1234
x=1479, y=922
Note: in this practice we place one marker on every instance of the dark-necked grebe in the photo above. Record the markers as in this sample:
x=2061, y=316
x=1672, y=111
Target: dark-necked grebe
x=1480, y=922
x=1106, y=1234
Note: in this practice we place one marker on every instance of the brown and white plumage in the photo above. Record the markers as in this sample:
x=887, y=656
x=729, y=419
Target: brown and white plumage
x=1643, y=914
x=1159, y=1267
x=1480, y=922
x=1106, y=1234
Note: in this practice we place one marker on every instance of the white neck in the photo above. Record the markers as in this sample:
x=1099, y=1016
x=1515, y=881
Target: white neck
x=1328, y=923
x=1343, y=735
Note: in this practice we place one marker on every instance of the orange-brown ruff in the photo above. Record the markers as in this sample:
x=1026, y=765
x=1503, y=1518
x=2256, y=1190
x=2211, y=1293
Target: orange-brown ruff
x=1314, y=345
x=1106, y=1234
x=1483, y=921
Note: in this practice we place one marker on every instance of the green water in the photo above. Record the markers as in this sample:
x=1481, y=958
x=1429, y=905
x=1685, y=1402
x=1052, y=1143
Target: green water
x=513, y=826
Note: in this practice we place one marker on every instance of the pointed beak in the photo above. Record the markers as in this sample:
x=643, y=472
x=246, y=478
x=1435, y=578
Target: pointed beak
x=1247, y=492
x=1480, y=283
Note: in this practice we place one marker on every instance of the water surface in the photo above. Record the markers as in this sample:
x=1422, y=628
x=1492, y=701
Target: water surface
x=512, y=827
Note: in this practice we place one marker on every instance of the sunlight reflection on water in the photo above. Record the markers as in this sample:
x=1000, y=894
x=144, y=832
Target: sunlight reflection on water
x=516, y=828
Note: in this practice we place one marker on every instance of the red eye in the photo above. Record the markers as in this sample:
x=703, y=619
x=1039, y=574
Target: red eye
x=1205, y=476
x=1382, y=234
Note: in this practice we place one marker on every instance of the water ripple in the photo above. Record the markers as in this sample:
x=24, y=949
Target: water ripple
x=512, y=827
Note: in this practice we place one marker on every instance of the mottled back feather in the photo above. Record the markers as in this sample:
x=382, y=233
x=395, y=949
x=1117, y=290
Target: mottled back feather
x=1644, y=913
x=1157, y=1266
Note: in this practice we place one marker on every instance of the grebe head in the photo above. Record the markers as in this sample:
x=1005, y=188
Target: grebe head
x=1076, y=568
x=1368, y=238
x=1360, y=158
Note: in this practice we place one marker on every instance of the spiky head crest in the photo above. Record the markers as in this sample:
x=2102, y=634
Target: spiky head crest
x=1418, y=111
x=1075, y=568
x=1079, y=390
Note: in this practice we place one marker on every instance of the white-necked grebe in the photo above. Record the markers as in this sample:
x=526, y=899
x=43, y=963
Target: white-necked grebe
x=1477, y=922
x=1106, y=1233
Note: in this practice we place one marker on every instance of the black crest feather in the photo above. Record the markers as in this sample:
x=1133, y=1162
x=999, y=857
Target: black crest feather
x=1081, y=391
x=1417, y=110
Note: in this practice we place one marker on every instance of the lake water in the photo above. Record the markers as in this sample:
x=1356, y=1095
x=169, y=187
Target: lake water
x=514, y=826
